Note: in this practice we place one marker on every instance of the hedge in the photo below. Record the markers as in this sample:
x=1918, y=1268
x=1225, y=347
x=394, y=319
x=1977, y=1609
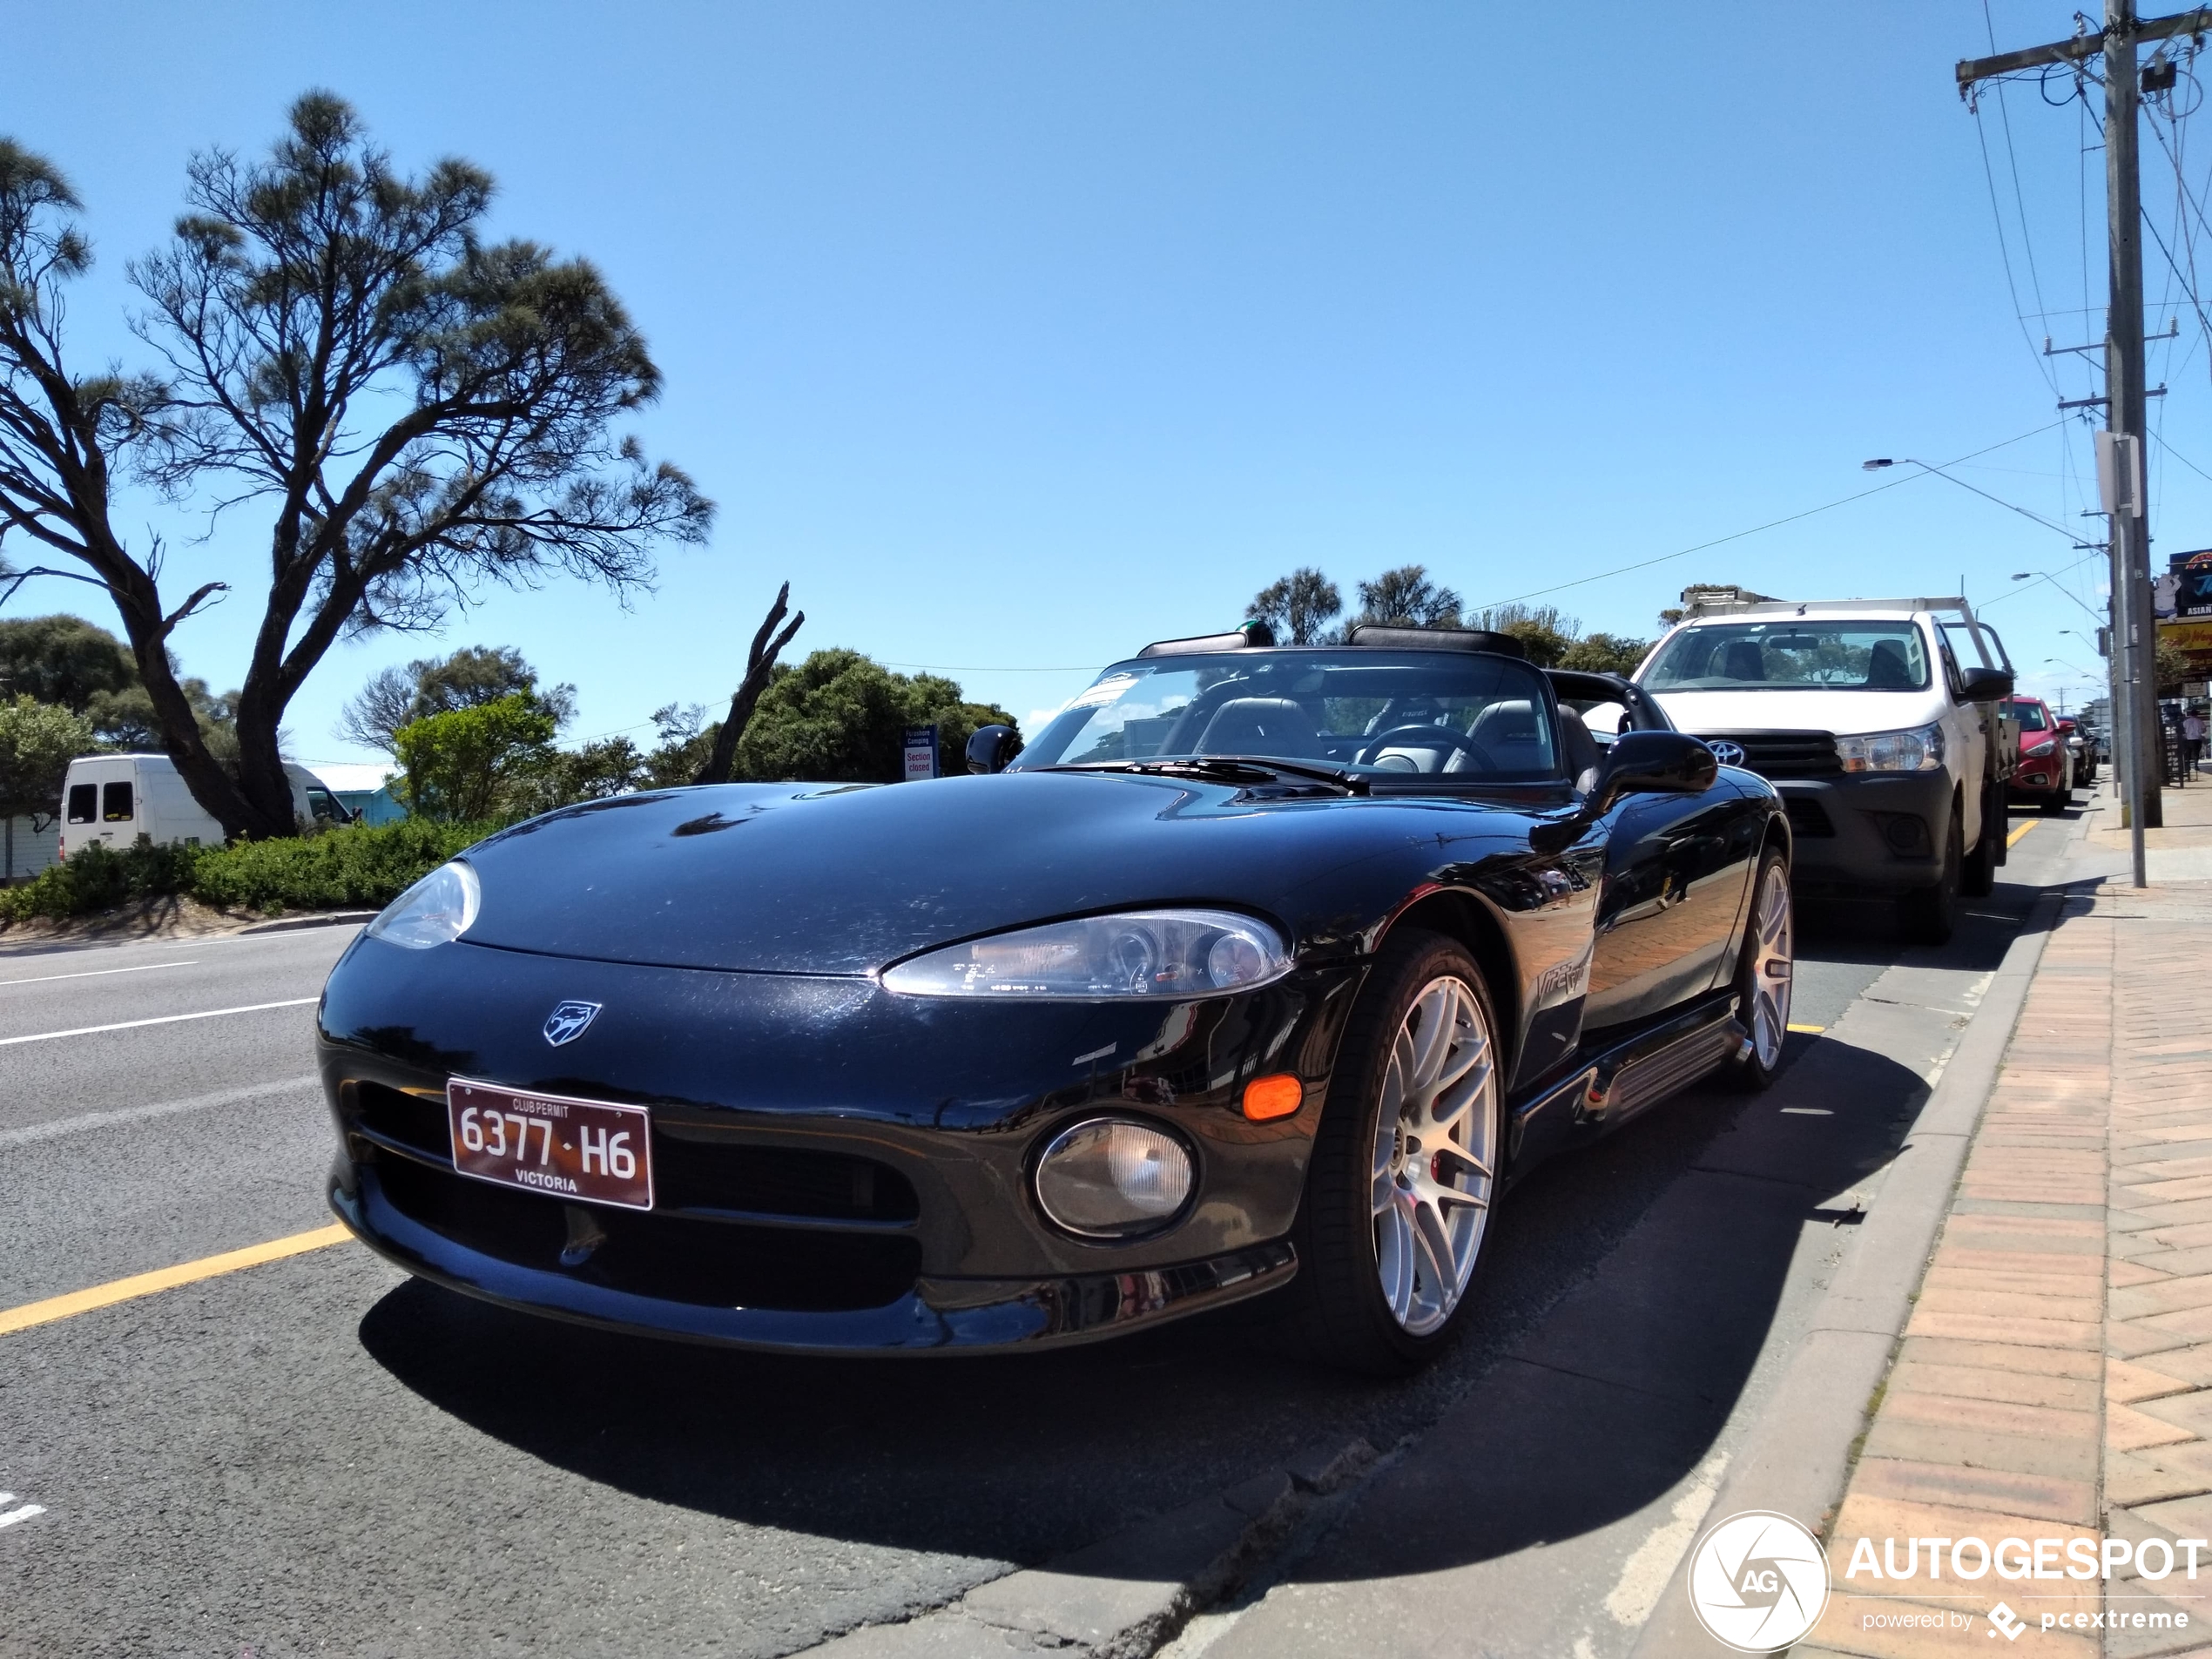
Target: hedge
x=357, y=867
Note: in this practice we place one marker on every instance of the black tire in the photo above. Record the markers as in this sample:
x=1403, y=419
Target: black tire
x=1754, y=1071
x=1931, y=914
x=2052, y=806
x=1978, y=875
x=1338, y=1310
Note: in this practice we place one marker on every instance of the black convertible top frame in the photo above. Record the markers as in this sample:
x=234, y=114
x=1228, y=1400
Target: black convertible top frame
x=1366, y=636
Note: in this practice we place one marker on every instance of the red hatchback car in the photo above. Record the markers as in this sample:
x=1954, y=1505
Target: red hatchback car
x=2044, y=772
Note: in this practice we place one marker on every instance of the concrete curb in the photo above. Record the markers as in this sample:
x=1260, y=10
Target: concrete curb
x=1797, y=1457
x=1125, y=1596
x=325, y=919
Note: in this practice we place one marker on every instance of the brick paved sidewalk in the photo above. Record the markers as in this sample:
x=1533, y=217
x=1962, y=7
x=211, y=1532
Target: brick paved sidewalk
x=2056, y=1379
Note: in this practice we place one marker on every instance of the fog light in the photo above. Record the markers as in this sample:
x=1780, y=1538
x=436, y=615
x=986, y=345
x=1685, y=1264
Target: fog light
x=1905, y=834
x=1112, y=1177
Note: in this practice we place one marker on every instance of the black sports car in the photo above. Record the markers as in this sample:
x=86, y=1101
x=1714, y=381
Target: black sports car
x=1260, y=967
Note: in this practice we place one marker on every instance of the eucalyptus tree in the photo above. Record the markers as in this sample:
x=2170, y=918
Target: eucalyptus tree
x=409, y=411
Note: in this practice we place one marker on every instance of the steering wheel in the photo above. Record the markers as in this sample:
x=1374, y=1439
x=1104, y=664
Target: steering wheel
x=1427, y=736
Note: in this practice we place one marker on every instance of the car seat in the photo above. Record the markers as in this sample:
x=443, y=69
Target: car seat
x=1510, y=733
x=1886, y=670
x=1743, y=660
x=1260, y=725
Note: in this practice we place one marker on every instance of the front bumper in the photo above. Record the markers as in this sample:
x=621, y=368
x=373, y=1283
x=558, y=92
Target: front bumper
x=934, y=1316
x=836, y=1169
x=1867, y=834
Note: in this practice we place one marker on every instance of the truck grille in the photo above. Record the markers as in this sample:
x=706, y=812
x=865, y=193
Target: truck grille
x=1783, y=754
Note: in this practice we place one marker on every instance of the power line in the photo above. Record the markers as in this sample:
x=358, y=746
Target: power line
x=2005, y=253
x=1775, y=523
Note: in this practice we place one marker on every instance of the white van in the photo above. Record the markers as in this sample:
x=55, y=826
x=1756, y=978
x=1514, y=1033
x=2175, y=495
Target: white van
x=117, y=799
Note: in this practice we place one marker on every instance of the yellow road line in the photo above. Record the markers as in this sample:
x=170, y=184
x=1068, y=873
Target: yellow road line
x=2013, y=839
x=1814, y=1030
x=166, y=1279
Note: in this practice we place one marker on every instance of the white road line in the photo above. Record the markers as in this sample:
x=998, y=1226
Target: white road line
x=23, y=1514
x=164, y=1019
x=56, y=1128
x=96, y=973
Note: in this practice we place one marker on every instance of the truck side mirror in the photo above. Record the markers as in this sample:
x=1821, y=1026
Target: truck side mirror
x=992, y=747
x=1985, y=685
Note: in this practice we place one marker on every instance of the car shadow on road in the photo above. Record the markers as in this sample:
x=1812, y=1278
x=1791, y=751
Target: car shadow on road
x=1624, y=1301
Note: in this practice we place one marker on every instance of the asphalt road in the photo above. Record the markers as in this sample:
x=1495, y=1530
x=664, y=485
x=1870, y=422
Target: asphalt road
x=317, y=1455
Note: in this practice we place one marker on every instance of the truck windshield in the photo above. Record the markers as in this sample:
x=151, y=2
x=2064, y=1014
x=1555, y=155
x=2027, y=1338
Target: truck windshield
x=1471, y=715
x=1798, y=654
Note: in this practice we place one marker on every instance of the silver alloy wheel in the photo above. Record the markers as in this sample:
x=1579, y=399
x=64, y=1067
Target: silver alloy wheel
x=1435, y=1154
x=1772, y=966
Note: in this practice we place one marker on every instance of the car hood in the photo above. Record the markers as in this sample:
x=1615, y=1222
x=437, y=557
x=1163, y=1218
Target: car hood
x=843, y=878
x=1842, y=713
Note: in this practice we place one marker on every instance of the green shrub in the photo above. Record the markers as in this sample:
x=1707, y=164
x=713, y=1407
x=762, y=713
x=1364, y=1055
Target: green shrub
x=98, y=878
x=357, y=867
x=360, y=867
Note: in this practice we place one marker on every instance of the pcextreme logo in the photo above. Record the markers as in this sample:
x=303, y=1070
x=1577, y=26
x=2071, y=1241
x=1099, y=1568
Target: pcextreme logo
x=1757, y=1582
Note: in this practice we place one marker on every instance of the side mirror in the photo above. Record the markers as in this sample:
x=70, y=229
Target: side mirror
x=1985, y=685
x=1655, y=762
x=992, y=747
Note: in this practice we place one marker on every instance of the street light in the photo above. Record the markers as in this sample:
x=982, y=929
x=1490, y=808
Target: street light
x=2044, y=576
x=1880, y=462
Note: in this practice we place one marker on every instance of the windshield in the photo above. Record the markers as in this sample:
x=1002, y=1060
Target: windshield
x=1794, y=655
x=2030, y=715
x=1376, y=713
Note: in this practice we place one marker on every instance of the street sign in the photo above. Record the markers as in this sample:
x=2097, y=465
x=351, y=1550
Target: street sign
x=2119, y=474
x=2192, y=578
x=922, y=752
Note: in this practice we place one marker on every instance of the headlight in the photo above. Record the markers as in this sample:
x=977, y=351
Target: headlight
x=437, y=908
x=1144, y=953
x=1920, y=750
x=1112, y=1177
x=2044, y=747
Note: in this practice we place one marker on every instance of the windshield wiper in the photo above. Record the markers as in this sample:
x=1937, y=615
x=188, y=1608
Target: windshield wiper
x=1240, y=769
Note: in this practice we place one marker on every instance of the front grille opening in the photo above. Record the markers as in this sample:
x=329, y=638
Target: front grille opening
x=703, y=1263
x=1808, y=817
x=717, y=1174
x=406, y=1119
x=691, y=1171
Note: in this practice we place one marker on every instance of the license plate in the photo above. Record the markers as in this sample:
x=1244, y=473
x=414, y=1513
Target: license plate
x=590, y=1150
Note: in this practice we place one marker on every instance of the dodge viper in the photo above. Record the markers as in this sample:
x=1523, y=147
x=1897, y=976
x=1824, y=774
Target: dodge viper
x=1261, y=970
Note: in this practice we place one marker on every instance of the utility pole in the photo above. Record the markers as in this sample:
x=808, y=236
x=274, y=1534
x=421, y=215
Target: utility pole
x=2136, y=749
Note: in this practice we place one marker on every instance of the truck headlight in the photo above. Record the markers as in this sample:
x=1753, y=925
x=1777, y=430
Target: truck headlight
x=1917, y=749
x=1154, y=953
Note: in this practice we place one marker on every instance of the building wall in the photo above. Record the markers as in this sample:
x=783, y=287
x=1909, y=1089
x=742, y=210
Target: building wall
x=35, y=849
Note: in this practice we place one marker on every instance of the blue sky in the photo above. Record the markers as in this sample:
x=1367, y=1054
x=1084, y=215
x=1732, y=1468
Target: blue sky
x=1015, y=335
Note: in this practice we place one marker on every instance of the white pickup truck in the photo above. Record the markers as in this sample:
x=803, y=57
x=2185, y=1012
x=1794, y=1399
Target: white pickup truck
x=1880, y=723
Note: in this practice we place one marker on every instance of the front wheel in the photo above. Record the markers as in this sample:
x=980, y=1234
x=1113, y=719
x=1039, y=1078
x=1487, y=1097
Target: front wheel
x=1763, y=973
x=1405, y=1162
x=1978, y=876
x=1931, y=914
